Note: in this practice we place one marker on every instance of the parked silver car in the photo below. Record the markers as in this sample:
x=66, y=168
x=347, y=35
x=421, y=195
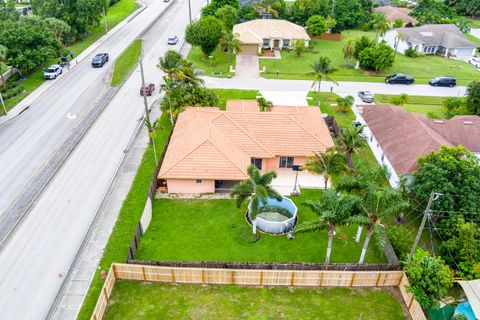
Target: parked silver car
x=366, y=96
x=52, y=72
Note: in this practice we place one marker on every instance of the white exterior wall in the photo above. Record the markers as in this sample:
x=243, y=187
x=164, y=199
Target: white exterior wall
x=390, y=38
x=377, y=151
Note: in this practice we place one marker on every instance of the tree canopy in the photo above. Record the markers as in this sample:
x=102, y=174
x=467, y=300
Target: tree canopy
x=316, y=25
x=473, y=97
x=205, y=33
x=348, y=14
x=228, y=15
x=379, y=57
x=302, y=10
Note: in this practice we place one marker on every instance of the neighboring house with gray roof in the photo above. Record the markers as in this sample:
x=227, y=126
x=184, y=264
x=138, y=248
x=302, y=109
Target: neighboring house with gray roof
x=440, y=39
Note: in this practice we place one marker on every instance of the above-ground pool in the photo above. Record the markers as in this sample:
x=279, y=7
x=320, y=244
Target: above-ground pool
x=275, y=216
x=465, y=309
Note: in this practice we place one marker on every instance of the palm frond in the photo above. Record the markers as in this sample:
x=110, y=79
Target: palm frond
x=310, y=226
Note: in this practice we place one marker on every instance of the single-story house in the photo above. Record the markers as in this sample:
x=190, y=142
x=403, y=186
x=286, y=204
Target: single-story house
x=210, y=149
x=442, y=39
x=393, y=14
x=398, y=138
x=268, y=33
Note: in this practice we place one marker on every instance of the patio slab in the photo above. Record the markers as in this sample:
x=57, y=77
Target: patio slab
x=285, y=181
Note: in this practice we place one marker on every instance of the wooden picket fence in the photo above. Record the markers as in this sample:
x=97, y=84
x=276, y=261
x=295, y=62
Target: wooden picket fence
x=251, y=277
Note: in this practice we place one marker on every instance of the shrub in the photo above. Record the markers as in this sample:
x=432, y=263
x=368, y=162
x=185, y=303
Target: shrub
x=398, y=23
x=411, y=53
x=379, y=57
x=401, y=239
x=299, y=47
x=400, y=100
x=316, y=25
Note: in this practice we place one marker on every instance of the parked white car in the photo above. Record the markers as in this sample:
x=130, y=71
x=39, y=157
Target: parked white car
x=52, y=72
x=475, y=62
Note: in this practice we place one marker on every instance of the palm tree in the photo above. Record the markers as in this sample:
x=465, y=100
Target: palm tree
x=264, y=104
x=348, y=49
x=170, y=63
x=321, y=70
x=378, y=202
x=328, y=163
x=399, y=37
x=333, y=211
x=345, y=104
x=380, y=24
x=351, y=139
x=267, y=6
x=257, y=188
x=230, y=42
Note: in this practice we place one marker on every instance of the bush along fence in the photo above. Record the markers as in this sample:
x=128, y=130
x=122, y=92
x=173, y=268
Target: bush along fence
x=293, y=278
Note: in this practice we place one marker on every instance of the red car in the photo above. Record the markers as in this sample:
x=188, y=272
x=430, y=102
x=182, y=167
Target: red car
x=148, y=89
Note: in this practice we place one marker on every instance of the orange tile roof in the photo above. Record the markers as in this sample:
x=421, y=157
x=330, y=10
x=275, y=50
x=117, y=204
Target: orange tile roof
x=243, y=106
x=211, y=144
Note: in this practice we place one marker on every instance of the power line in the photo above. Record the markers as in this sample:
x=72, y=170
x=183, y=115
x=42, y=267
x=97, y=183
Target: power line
x=453, y=211
x=411, y=211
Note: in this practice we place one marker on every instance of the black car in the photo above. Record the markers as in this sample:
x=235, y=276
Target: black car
x=399, y=78
x=99, y=60
x=443, y=82
x=366, y=96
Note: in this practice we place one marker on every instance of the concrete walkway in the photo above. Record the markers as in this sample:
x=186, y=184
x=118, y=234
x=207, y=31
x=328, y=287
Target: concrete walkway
x=246, y=66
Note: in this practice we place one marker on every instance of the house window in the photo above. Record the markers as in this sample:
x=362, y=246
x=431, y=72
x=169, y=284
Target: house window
x=286, y=162
x=286, y=42
x=383, y=156
x=199, y=181
x=257, y=163
x=371, y=138
x=266, y=42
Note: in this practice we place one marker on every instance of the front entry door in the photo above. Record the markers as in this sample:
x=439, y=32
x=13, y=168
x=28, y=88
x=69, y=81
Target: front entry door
x=276, y=44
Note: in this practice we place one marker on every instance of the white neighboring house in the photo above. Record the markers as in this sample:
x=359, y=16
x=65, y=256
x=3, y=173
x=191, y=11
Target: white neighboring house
x=398, y=138
x=268, y=33
x=441, y=39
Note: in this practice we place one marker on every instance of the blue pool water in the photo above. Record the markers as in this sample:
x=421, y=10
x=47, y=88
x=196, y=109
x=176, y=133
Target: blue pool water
x=465, y=309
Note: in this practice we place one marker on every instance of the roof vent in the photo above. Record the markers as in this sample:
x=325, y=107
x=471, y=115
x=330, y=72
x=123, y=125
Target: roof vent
x=438, y=121
x=468, y=123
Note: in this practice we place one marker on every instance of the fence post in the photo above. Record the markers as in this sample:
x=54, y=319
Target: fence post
x=292, y=279
x=232, y=277
x=378, y=279
x=261, y=277
x=173, y=274
x=353, y=279
x=203, y=276
x=105, y=294
x=144, y=276
x=320, y=282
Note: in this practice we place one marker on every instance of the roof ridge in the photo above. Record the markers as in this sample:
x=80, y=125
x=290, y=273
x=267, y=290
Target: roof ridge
x=305, y=129
x=429, y=130
x=249, y=135
x=225, y=155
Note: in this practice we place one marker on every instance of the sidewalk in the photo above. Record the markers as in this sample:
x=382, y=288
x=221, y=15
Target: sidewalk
x=28, y=100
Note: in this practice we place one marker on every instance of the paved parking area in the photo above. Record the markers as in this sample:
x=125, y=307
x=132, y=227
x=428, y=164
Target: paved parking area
x=247, y=66
x=285, y=181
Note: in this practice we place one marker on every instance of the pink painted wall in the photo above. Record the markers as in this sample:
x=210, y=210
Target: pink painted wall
x=190, y=186
x=273, y=163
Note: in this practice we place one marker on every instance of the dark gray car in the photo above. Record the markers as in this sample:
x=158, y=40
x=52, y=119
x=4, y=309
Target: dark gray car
x=443, y=82
x=399, y=78
x=99, y=60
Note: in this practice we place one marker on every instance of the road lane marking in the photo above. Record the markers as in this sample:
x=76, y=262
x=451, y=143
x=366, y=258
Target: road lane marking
x=71, y=116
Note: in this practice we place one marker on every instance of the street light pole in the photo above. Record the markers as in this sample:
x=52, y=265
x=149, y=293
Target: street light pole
x=422, y=225
x=3, y=105
x=147, y=115
x=105, y=20
x=190, y=11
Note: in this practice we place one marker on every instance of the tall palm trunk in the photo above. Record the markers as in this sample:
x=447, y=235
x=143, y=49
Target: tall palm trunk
x=329, y=245
x=228, y=53
x=325, y=181
x=318, y=93
x=365, y=245
x=359, y=233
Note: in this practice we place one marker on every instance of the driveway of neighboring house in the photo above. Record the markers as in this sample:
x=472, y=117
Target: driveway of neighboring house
x=286, y=98
x=247, y=66
x=285, y=181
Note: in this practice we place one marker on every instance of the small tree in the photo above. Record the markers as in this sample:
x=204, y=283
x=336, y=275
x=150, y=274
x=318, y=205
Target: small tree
x=348, y=49
x=264, y=104
x=231, y=43
x=247, y=12
x=170, y=63
x=351, y=139
x=316, y=25
x=322, y=69
x=345, y=104
x=228, y=15
x=269, y=7
x=380, y=57
x=205, y=33
x=332, y=211
x=399, y=100
x=327, y=163
x=473, y=97
x=399, y=37
x=379, y=24
x=398, y=23
x=299, y=47
x=452, y=105
x=361, y=44
x=429, y=278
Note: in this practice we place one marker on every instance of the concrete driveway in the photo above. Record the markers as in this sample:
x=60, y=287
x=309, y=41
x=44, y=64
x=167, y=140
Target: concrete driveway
x=285, y=181
x=286, y=98
x=246, y=66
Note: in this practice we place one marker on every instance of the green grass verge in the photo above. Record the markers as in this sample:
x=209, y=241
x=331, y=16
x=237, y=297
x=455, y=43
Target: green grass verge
x=429, y=106
x=116, y=13
x=216, y=230
x=474, y=23
x=219, y=63
x=125, y=62
x=235, y=94
x=132, y=208
x=422, y=68
x=144, y=300
x=328, y=105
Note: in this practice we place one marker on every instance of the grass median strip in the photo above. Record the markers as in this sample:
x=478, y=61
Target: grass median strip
x=132, y=208
x=145, y=300
x=125, y=62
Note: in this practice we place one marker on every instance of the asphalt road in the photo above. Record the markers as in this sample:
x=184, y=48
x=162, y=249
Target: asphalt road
x=38, y=254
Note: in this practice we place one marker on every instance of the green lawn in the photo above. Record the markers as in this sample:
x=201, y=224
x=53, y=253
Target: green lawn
x=132, y=208
x=216, y=230
x=474, y=23
x=125, y=62
x=219, y=63
x=328, y=103
x=235, y=94
x=145, y=300
x=429, y=106
x=422, y=68
x=115, y=14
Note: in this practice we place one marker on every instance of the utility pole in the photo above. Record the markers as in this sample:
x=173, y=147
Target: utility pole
x=147, y=115
x=190, y=11
x=422, y=225
x=3, y=105
x=105, y=20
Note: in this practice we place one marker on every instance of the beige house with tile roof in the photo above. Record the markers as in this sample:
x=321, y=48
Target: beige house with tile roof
x=210, y=148
x=268, y=33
